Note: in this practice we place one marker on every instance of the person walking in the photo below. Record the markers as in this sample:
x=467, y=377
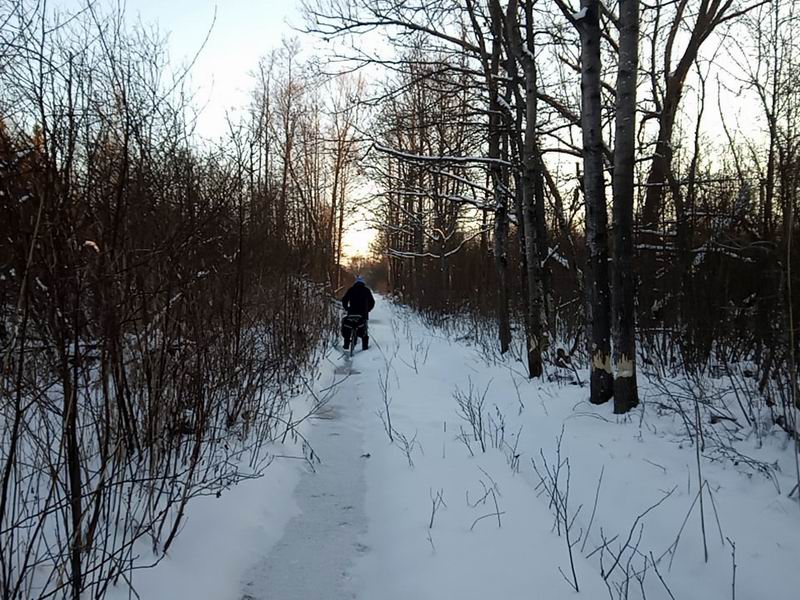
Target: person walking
x=357, y=302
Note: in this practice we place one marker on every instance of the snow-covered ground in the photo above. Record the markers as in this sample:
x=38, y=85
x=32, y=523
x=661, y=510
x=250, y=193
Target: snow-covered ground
x=430, y=514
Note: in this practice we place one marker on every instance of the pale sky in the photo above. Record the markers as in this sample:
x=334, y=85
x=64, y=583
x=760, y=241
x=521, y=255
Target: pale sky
x=244, y=31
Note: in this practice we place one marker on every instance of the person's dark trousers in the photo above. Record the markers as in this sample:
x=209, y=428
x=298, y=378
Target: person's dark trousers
x=353, y=327
x=346, y=336
x=365, y=336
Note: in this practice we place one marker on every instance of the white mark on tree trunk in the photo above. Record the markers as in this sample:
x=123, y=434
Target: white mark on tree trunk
x=625, y=366
x=601, y=361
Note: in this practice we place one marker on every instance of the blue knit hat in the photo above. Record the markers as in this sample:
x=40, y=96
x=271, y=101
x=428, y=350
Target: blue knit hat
x=359, y=279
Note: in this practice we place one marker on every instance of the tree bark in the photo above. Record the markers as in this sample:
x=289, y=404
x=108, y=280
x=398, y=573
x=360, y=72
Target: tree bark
x=532, y=191
x=491, y=68
x=601, y=380
x=625, y=388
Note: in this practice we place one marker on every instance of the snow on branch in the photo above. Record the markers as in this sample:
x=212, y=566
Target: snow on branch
x=441, y=159
x=581, y=14
x=403, y=254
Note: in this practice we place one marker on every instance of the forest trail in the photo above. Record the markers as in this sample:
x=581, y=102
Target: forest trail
x=313, y=558
x=363, y=527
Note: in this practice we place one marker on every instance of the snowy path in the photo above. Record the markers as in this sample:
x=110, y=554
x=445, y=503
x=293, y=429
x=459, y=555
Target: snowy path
x=313, y=559
x=363, y=528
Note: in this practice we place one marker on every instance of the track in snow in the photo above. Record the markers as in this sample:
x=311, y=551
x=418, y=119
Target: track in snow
x=313, y=559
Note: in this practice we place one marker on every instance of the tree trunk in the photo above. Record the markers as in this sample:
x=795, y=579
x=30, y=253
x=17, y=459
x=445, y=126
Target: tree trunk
x=625, y=389
x=339, y=233
x=491, y=69
x=602, y=381
x=69, y=375
x=333, y=233
x=532, y=193
x=501, y=265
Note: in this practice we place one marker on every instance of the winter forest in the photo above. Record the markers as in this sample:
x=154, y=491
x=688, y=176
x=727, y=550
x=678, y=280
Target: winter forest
x=581, y=378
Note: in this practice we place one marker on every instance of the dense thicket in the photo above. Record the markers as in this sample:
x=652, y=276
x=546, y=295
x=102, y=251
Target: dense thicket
x=159, y=302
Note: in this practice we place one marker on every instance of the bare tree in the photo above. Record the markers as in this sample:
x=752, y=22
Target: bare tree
x=154, y=320
x=587, y=21
x=624, y=317
x=532, y=188
x=668, y=86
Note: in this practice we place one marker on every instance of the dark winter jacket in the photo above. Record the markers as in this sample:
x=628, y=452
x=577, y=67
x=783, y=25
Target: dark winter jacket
x=358, y=300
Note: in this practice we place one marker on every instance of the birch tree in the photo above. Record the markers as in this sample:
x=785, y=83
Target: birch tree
x=624, y=318
x=587, y=20
x=532, y=193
